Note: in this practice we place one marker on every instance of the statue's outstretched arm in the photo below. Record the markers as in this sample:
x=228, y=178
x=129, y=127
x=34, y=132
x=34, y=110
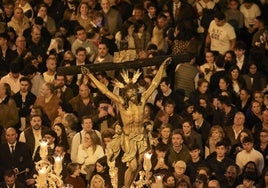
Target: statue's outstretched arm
x=156, y=80
x=102, y=87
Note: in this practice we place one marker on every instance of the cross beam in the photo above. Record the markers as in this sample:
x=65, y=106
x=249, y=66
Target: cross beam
x=72, y=70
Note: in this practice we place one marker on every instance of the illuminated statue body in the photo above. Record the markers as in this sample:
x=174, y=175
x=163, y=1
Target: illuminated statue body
x=133, y=137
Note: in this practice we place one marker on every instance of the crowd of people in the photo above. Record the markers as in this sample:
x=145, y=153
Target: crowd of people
x=206, y=124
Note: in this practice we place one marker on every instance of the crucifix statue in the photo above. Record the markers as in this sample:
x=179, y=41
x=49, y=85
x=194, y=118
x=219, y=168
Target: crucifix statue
x=133, y=139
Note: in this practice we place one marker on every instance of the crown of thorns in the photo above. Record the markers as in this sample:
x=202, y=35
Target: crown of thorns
x=126, y=78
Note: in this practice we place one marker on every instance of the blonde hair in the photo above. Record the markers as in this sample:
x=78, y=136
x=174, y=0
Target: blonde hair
x=94, y=178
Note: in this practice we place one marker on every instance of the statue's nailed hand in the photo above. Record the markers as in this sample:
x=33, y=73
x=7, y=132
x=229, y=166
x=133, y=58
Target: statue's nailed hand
x=84, y=70
x=168, y=61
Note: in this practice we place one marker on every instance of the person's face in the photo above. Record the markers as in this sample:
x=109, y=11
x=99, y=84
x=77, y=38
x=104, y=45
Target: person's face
x=190, y=109
x=199, y=183
x=220, y=150
x=203, y=87
x=203, y=103
x=164, y=87
x=18, y=14
x=84, y=9
x=87, y=124
x=264, y=137
x=57, y=130
x=253, y=69
x=247, y=5
x=81, y=35
x=170, y=182
x=266, y=177
x=11, y=136
x=239, y=119
x=9, y=9
x=77, y=171
x=196, y=115
x=186, y=127
x=21, y=42
x=58, y=151
x=239, y=52
x=179, y=169
x=169, y=109
x=218, y=22
x=247, y=146
x=233, y=5
x=228, y=57
x=106, y=140
x=235, y=74
x=99, y=167
x=45, y=91
x=258, y=97
x=36, y=122
x=24, y=86
x=10, y=181
x=130, y=29
x=231, y=173
x=165, y=133
x=36, y=34
x=88, y=139
x=138, y=14
x=215, y=134
x=177, y=140
x=84, y=91
x=42, y=12
x=243, y=95
x=195, y=153
x=81, y=56
x=223, y=85
x=105, y=4
x=247, y=183
x=3, y=41
x=103, y=50
x=164, y=118
x=97, y=183
x=51, y=64
x=209, y=57
x=213, y=184
x=256, y=108
x=50, y=139
x=59, y=81
x=152, y=11
x=162, y=22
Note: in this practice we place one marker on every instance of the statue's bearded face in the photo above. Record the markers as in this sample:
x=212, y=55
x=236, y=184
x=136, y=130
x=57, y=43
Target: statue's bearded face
x=132, y=95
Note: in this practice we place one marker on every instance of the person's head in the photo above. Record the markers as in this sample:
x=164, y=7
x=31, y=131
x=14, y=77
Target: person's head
x=217, y=132
x=169, y=106
x=202, y=85
x=179, y=167
x=151, y=8
x=260, y=22
x=169, y=180
x=5, y=90
x=177, y=138
x=83, y=9
x=248, y=3
x=239, y=119
x=97, y=181
x=162, y=20
x=214, y=183
x=68, y=56
x=253, y=68
x=59, y=80
x=131, y=93
x=204, y=170
x=10, y=177
x=107, y=136
x=81, y=33
x=165, y=130
x=244, y=133
x=18, y=14
x=73, y=169
x=92, y=139
x=15, y=70
x=182, y=183
x=25, y=84
x=69, y=121
x=36, y=122
x=256, y=107
x=42, y=10
x=51, y=137
x=199, y=113
x=138, y=12
x=219, y=18
x=20, y=42
x=229, y=56
x=187, y=126
x=101, y=165
x=233, y=4
x=240, y=49
x=105, y=5
x=80, y=54
x=59, y=129
x=11, y=135
x=234, y=72
x=103, y=49
x=84, y=91
x=8, y=8
x=97, y=18
x=60, y=150
x=47, y=89
x=194, y=150
x=221, y=149
x=162, y=117
x=161, y=150
x=165, y=84
x=244, y=94
x=249, y=179
x=51, y=63
x=201, y=181
x=210, y=58
x=248, y=143
x=139, y=26
x=35, y=34
x=87, y=123
x=264, y=136
x=250, y=167
x=232, y=172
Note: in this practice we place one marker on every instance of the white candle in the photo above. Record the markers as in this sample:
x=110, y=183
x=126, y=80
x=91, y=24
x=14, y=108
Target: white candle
x=58, y=165
x=158, y=181
x=43, y=149
x=147, y=165
x=42, y=177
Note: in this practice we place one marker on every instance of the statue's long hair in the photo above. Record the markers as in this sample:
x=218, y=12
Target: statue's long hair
x=125, y=97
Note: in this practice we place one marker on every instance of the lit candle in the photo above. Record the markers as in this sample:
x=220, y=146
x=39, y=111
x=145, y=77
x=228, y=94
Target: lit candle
x=43, y=149
x=58, y=165
x=42, y=177
x=147, y=165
